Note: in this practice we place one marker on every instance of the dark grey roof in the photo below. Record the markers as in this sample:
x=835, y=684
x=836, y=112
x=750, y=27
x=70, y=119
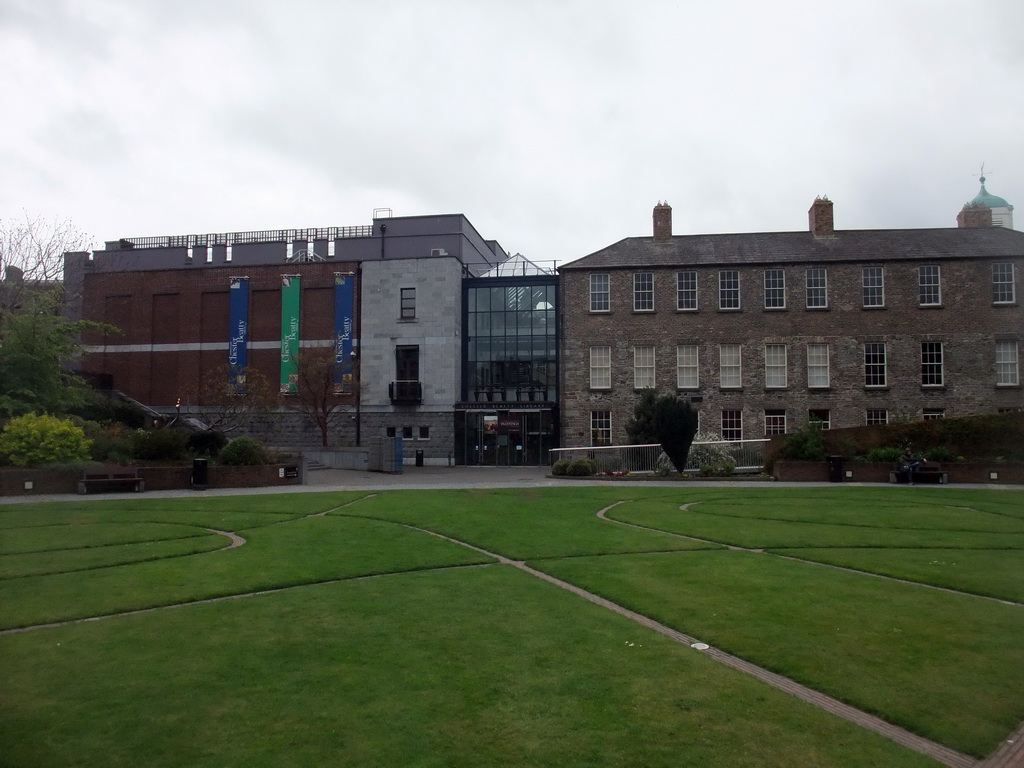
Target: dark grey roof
x=783, y=247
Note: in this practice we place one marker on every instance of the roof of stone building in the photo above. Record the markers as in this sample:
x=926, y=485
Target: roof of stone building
x=856, y=245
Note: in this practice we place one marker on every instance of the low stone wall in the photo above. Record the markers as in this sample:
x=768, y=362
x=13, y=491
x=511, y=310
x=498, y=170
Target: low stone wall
x=878, y=472
x=41, y=482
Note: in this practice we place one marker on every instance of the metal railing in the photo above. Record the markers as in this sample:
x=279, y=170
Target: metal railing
x=241, y=238
x=742, y=455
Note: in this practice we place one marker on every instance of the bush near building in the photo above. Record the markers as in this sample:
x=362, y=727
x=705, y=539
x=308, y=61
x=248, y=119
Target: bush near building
x=33, y=440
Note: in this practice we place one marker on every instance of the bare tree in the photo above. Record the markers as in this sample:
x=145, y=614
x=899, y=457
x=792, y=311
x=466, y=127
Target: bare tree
x=317, y=394
x=35, y=247
x=230, y=399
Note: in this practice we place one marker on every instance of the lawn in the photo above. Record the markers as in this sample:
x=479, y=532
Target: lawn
x=371, y=642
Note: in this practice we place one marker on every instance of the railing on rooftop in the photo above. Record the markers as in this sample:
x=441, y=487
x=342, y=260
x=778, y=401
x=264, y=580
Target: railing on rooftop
x=240, y=238
x=745, y=456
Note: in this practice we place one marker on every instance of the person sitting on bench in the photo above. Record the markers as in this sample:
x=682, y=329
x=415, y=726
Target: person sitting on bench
x=909, y=464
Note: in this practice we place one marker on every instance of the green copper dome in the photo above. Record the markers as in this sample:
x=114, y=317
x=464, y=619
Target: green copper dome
x=987, y=200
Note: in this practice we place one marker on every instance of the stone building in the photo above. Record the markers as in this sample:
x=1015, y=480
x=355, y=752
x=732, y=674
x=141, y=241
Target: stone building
x=763, y=332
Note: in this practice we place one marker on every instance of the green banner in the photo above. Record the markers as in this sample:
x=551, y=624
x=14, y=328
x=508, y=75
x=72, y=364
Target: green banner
x=290, y=291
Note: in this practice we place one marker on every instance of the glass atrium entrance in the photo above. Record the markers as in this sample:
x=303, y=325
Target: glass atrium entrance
x=507, y=438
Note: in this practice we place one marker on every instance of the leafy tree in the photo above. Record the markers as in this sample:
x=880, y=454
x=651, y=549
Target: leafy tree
x=31, y=440
x=666, y=420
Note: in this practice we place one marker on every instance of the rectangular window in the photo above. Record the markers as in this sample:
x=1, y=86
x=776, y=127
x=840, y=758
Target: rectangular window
x=817, y=366
x=407, y=433
x=600, y=367
x=389, y=431
x=408, y=310
x=934, y=414
x=424, y=433
x=600, y=299
x=687, y=366
x=730, y=366
x=820, y=416
x=1006, y=364
x=600, y=427
x=873, y=282
x=1002, y=284
x=729, y=289
x=817, y=288
x=732, y=425
x=874, y=365
x=643, y=367
x=774, y=289
x=774, y=422
x=931, y=364
x=775, y=366
x=686, y=291
x=643, y=292
x=407, y=363
x=929, y=286
x=877, y=416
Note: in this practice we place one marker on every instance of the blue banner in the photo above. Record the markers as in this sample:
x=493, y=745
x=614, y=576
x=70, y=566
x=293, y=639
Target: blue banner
x=344, y=300
x=238, y=333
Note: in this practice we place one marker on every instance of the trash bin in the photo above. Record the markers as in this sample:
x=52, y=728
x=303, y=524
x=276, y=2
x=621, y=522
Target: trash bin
x=835, y=469
x=419, y=458
x=200, y=471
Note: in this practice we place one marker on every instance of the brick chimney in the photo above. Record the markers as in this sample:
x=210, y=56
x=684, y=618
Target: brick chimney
x=820, y=218
x=662, y=222
x=974, y=216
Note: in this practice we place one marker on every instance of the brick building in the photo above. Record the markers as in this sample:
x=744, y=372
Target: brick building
x=762, y=332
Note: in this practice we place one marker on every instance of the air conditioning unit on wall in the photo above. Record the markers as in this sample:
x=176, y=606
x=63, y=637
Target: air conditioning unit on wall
x=438, y=252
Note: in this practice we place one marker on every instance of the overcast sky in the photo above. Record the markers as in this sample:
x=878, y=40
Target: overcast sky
x=554, y=126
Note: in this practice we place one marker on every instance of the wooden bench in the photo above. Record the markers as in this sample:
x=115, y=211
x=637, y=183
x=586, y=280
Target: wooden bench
x=926, y=472
x=111, y=479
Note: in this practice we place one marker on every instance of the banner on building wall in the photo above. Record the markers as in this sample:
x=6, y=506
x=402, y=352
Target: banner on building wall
x=238, y=333
x=291, y=287
x=344, y=300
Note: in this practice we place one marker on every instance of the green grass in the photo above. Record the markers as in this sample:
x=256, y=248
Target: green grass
x=375, y=644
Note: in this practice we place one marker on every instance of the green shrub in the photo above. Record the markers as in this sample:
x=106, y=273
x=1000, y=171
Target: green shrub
x=885, y=454
x=560, y=467
x=209, y=442
x=110, y=442
x=806, y=443
x=159, y=445
x=701, y=455
x=939, y=453
x=244, y=451
x=723, y=469
x=582, y=467
x=32, y=440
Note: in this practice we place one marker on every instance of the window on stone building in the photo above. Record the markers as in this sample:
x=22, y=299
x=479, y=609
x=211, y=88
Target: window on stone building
x=408, y=308
x=643, y=367
x=929, y=286
x=774, y=289
x=877, y=416
x=407, y=433
x=643, y=292
x=729, y=289
x=775, y=366
x=774, y=422
x=817, y=288
x=934, y=414
x=687, y=366
x=1003, y=289
x=686, y=291
x=600, y=298
x=600, y=367
x=874, y=365
x=732, y=425
x=873, y=283
x=1007, y=372
x=817, y=366
x=389, y=431
x=730, y=366
x=820, y=416
x=931, y=364
x=424, y=433
x=601, y=427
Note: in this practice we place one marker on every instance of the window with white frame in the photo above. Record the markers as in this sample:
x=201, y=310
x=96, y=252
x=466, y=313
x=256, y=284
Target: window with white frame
x=774, y=289
x=600, y=427
x=934, y=414
x=775, y=366
x=817, y=288
x=729, y=289
x=873, y=284
x=643, y=291
x=600, y=367
x=876, y=416
x=732, y=425
x=931, y=364
x=817, y=366
x=408, y=306
x=600, y=297
x=643, y=367
x=1007, y=372
x=929, y=285
x=774, y=421
x=820, y=416
x=686, y=291
x=1003, y=288
x=730, y=366
x=874, y=365
x=687, y=366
